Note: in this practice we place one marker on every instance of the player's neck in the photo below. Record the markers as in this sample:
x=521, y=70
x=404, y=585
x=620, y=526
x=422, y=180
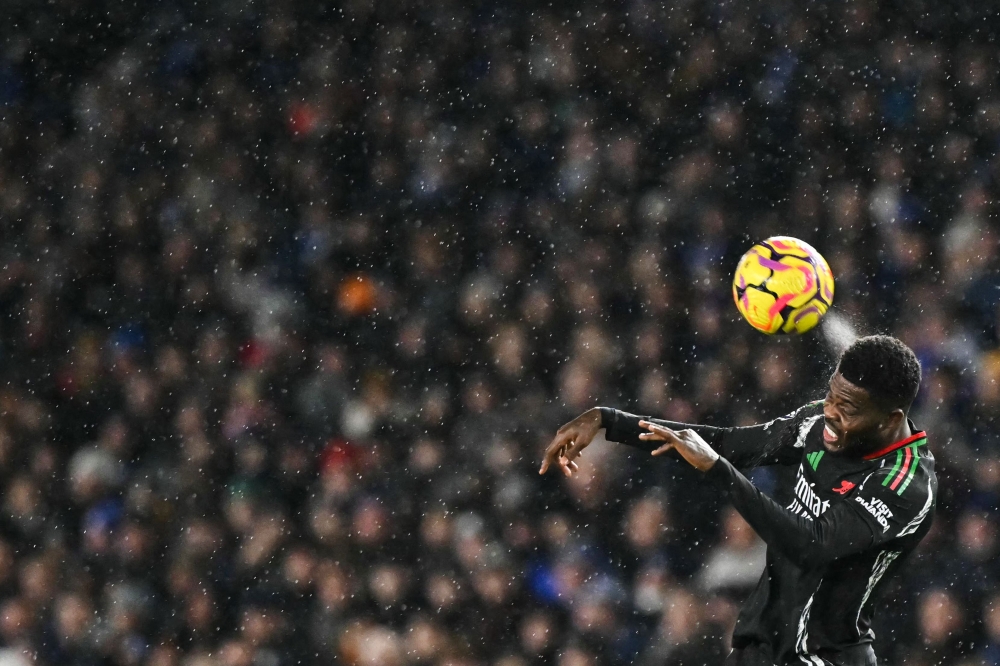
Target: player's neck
x=902, y=432
x=898, y=435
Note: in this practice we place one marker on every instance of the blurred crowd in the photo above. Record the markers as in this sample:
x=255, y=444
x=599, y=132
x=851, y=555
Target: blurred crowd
x=293, y=295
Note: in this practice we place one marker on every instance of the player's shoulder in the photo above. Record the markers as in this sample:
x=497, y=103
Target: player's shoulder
x=904, y=475
x=811, y=411
x=813, y=406
x=899, y=496
x=803, y=421
x=792, y=429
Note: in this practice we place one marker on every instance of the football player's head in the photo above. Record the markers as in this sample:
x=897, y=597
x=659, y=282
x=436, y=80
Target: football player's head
x=870, y=394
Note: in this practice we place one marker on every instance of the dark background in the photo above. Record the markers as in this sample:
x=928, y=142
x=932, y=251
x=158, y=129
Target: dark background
x=293, y=295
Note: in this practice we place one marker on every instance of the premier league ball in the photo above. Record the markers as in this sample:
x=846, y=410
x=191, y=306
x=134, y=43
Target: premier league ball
x=783, y=285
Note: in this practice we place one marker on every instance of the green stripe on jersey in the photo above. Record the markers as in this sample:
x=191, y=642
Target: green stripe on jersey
x=899, y=461
x=913, y=464
x=814, y=458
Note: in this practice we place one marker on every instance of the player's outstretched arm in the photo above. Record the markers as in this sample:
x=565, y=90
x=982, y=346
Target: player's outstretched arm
x=769, y=443
x=776, y=442
x=625, y=428
x=741, y=444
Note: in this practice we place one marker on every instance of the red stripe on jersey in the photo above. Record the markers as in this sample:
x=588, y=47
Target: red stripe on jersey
x=892, y=447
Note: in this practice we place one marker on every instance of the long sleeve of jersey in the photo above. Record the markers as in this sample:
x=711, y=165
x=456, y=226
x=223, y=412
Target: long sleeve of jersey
x=774, y=443
x=847, y=528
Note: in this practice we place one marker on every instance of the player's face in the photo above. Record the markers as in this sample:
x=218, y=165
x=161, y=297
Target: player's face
x=853, y=421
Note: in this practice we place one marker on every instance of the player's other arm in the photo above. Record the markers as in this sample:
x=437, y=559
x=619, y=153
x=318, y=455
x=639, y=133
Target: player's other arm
x=876, y=513
x=768, y=443
x=838, y=533
x=873, y=515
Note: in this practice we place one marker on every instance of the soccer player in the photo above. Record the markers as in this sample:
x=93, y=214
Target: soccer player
x=863, y=499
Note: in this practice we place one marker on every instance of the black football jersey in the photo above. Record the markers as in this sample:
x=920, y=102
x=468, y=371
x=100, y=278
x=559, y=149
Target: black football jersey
x=847, y=529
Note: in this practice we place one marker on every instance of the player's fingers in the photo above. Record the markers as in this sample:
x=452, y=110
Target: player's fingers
x=568, y=466
x=654, y=427
x=551, y=456
x=665, y=433
x=575, y=448
x=663, y=449
x=552, y=453
x=651, y=436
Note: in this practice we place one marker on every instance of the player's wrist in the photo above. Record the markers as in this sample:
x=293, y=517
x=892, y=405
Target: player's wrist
x=606, y=416
x=712, y=462
x=719, y=470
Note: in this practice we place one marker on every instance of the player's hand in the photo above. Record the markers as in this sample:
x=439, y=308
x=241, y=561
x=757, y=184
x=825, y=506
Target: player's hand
x=570, y=440
x=688, y=443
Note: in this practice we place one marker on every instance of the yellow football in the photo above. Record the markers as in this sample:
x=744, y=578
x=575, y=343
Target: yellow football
x=783, y=285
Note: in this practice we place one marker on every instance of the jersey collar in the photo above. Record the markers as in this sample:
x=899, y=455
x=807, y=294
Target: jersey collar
x=897, y=445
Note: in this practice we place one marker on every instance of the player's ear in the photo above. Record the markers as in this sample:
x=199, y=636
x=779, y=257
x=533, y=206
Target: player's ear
x=894, y=419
